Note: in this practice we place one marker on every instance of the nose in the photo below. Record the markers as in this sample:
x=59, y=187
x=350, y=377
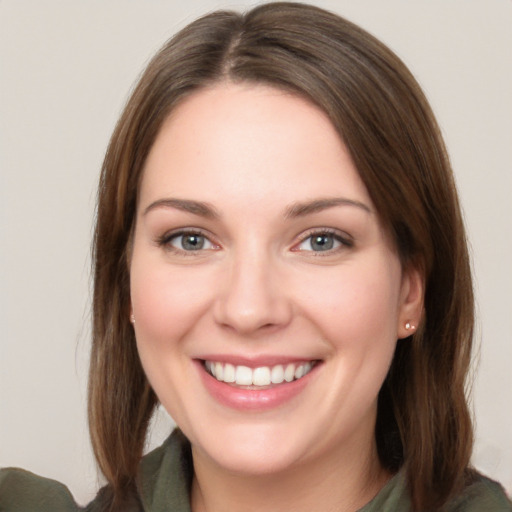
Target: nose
x=253, y=297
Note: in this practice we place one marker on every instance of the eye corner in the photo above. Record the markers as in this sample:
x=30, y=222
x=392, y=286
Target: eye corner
x=322, y=242
x=198, y=242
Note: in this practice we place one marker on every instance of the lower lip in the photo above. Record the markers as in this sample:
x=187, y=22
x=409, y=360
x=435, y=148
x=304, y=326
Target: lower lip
x=253, y=399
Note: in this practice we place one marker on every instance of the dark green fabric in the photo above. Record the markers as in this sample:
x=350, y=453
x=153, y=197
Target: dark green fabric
x=165, y=478
x=25, y=492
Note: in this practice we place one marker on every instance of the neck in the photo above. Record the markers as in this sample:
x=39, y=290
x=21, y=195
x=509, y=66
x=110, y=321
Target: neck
x=341, y=482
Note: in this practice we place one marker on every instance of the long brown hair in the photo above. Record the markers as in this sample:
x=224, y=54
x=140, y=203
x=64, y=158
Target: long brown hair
x=381, y=114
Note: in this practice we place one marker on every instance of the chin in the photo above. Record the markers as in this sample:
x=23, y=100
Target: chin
x=253, y=449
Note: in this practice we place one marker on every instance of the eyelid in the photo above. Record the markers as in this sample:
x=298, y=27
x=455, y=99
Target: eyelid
x=165, y=239
x=343, y=238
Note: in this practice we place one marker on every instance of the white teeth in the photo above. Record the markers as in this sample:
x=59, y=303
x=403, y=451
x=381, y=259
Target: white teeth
x=243, y=376
x=277, y=375
x=261, y=376
x=289, y=373
x=229, y=373
x=219, y=371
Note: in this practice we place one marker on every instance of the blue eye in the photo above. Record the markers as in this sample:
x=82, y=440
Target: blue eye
x=322, y=242
x=189, y=242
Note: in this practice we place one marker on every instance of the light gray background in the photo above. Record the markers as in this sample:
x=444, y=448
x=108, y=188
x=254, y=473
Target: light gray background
x=66, y=68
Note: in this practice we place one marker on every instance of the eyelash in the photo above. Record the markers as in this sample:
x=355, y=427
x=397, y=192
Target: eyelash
x=166, y=239
x=344, y=241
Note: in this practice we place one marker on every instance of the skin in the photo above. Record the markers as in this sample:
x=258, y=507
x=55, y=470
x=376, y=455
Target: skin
x=252, y=154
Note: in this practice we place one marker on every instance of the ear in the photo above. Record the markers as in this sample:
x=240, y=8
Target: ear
x=410, y=312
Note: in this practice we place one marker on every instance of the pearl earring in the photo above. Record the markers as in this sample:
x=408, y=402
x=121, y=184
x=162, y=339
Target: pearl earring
x=132, y=318
x=409, y=326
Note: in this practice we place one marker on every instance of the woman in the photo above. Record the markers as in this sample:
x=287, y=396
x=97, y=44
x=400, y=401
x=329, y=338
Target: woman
x=280, y=261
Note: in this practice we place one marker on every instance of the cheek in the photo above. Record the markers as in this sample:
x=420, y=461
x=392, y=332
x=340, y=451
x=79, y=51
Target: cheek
x=355, y=306
x=167, y=302
x=168, y=305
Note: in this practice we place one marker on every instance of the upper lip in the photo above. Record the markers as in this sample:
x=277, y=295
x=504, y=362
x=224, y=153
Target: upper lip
x=256, y=361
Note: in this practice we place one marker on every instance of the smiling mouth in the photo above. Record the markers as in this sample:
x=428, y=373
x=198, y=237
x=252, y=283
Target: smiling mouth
x=260, y=377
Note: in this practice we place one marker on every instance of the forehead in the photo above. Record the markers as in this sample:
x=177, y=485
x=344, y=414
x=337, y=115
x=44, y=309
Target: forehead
x=249, y=141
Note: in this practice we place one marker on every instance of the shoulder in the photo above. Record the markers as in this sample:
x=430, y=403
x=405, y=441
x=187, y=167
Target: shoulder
x=163, y=484
x=22, y=491
x=481, y=494
x=165, y=475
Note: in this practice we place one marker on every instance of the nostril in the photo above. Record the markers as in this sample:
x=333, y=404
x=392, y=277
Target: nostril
x=249, y=300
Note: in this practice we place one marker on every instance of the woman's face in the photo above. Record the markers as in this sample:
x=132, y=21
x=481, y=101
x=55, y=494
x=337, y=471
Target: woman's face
x=258, y=257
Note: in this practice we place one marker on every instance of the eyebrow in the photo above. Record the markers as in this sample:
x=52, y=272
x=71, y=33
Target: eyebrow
x=196, y=207
x=317, y=205
x=300, y=209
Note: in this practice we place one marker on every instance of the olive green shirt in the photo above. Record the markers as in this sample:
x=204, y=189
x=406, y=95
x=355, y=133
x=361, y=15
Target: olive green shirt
x=164, y=486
